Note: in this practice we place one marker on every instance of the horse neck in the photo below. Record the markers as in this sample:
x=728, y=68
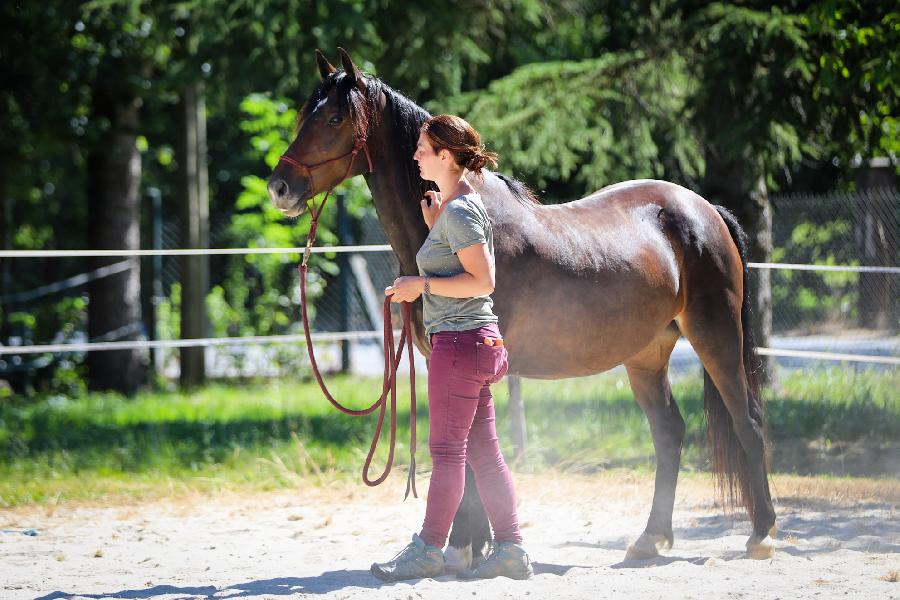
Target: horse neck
x=395, y=202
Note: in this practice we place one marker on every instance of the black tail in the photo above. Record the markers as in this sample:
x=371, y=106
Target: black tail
x=729, y=460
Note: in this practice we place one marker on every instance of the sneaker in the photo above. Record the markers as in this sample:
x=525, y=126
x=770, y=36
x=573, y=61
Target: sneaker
x=416, y=561
x=505, y=560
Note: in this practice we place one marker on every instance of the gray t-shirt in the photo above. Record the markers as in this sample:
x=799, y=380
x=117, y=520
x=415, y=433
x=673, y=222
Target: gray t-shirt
x=462, y=223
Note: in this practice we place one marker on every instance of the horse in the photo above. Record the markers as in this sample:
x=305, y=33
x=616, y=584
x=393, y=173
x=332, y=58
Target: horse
x=614, y=278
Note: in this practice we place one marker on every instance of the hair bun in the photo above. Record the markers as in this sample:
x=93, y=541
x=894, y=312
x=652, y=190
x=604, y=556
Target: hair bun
x=477, y=162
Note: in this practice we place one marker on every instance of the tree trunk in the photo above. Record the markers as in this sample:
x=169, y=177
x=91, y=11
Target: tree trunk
x=114, y=310
x=5, y=244
x=193, y=200
x=734, y=185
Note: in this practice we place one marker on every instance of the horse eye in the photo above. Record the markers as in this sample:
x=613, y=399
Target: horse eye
x=334, y=120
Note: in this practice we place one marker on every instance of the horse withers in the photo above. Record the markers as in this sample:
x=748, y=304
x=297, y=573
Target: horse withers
x=612, y=279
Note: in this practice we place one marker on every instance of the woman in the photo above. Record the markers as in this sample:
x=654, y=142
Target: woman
x=456, y=266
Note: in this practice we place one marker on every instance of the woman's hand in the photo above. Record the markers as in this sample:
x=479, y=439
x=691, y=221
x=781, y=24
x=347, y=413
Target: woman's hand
x=405, y=289
x=430, y=213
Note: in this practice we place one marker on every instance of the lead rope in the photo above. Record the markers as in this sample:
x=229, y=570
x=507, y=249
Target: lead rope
x=391, y=359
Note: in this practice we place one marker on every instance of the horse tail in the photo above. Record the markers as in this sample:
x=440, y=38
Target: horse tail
x=730, y=467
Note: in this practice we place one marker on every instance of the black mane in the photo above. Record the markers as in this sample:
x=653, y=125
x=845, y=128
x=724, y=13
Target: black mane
x=519, y=190
x=406, y=119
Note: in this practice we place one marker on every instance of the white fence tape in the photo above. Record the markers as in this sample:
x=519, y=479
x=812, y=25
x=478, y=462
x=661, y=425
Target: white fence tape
x=355, y=335
x=191, y=343
x=359, y=335
x=186, y=251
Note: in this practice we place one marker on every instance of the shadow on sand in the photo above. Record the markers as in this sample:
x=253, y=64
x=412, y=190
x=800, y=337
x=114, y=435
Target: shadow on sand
x=328, y=581
x=283, y=586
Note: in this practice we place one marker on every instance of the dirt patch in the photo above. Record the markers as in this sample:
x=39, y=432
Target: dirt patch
x=838, y=538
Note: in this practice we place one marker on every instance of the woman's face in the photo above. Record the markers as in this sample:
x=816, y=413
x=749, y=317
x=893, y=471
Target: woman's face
x=431, y=163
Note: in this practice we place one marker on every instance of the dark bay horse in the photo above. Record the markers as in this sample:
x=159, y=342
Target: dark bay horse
x=614, y=278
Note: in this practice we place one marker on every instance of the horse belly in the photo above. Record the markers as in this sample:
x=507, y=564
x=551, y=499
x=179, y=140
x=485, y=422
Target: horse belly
x=559, y=325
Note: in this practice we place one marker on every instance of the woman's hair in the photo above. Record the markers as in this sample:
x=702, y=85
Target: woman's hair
x=451, y=133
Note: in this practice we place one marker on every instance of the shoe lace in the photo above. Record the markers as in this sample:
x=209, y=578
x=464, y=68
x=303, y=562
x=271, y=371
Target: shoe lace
x=410, y=551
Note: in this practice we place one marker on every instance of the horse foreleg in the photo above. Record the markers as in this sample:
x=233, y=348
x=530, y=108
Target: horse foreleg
x=471, y=530
x=653, y=394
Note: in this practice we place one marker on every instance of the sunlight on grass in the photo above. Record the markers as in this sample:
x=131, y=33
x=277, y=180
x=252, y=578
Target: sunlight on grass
x=281, y=433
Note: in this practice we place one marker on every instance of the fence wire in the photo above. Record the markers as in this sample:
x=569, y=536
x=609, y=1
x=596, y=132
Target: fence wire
x=837, y=310
x=834, y=284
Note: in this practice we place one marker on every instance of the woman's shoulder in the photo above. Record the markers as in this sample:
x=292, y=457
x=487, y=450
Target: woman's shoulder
x=467, y=204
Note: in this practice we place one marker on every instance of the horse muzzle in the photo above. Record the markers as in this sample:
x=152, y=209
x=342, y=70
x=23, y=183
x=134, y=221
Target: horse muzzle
x=290, y=201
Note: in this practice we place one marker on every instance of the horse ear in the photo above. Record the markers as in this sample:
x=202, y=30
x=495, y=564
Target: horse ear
x=325, y=67
x=351, y=69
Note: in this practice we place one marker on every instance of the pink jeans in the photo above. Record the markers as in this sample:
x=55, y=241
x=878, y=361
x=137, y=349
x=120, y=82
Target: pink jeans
x=462, y=428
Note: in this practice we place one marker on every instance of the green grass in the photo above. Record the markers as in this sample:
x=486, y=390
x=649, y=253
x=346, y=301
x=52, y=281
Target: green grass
x=274, y=434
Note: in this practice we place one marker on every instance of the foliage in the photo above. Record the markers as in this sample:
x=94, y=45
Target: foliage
x=856, y=88
x=574, y=95
x=753, y=66
x=810, y=297
x=260, y=294
x=589, y=123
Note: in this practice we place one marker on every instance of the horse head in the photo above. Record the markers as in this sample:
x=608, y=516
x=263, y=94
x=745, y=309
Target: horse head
x=332, y=130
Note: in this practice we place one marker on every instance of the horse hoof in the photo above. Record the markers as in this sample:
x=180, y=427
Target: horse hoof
x=457, y=560
x=760, y=549
x=647, y=546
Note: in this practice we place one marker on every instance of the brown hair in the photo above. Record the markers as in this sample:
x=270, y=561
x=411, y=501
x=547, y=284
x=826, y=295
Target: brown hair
x=449, y=132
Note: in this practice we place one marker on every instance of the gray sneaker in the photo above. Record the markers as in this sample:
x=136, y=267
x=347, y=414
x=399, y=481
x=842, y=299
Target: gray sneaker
x=416, y=561
x=505, y=560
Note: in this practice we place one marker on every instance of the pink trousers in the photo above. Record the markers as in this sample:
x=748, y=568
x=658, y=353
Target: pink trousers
x=462, y=428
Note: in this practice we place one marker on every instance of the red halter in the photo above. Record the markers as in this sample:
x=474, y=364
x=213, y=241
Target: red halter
x=308, y=169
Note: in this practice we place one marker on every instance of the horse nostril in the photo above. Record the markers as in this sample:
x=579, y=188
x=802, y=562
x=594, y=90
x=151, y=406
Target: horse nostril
x=278, y=189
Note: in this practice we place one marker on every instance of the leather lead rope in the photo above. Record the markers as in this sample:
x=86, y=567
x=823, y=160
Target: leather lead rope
x=392, y=356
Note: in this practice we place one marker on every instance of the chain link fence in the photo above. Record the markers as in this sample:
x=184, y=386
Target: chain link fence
x=837, y=309
x=825, y=303
x=834, y=310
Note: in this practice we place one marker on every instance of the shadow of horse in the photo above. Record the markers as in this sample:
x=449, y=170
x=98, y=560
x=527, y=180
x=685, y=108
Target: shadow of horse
x=328, y=581
x=803, y=534
x=834, y=528
x=621, y=545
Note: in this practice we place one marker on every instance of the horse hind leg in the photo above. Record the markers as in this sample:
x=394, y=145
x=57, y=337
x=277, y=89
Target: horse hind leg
x=648, y=375
x=738, y=443
x=471, y=530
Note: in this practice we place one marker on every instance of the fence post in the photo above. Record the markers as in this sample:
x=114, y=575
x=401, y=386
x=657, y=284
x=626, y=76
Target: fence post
x=878, y=305
x=517, y=417
x=156, y=290
x=344, y=239
x=194, y=202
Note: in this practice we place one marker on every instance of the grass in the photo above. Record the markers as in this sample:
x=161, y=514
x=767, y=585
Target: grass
x=280, y=433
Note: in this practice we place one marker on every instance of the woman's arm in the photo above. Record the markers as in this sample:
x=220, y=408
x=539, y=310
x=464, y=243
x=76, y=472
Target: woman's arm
x=476, y=280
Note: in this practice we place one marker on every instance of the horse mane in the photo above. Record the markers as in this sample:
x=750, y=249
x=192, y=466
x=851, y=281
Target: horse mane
x=519, y=190
x=406, y=119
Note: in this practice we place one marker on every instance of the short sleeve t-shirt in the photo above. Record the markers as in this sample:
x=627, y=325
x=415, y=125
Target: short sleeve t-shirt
x=463, y=223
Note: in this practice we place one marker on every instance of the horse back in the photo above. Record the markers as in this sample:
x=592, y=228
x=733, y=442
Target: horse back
x=604, y=274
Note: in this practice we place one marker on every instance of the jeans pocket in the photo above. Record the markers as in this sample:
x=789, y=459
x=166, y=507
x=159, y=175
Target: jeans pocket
x=491, y=362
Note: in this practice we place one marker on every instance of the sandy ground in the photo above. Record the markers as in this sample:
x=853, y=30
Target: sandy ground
x=837, y=539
